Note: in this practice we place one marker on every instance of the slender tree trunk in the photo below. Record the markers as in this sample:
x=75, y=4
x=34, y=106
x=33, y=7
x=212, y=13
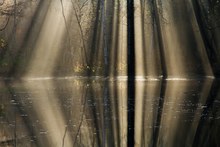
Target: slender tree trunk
x=131, y=73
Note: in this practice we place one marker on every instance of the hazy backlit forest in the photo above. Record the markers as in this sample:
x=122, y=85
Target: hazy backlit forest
x=109, y=73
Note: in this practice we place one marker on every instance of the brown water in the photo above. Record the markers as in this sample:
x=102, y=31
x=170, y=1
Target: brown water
x=93, y=112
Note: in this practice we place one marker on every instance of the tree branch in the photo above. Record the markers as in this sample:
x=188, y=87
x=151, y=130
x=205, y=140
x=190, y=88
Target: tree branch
x=81, y=31
x=7, y=20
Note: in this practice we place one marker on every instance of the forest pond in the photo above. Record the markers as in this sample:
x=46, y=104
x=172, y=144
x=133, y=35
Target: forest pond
x=93, y=112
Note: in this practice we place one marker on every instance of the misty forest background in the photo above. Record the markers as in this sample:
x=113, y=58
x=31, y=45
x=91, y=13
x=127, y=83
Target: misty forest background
x=91, y=38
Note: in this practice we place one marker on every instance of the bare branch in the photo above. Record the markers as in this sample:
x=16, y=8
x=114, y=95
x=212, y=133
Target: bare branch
x=81, y=31
x=84, y=3
x=83, y=112
x=64, y=136
x=7, y=20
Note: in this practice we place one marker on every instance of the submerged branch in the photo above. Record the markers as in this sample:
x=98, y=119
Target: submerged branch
x=81, y=120
x=64, y=136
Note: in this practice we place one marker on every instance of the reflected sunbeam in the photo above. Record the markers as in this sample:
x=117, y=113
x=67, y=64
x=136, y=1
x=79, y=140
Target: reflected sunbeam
x=87, y=112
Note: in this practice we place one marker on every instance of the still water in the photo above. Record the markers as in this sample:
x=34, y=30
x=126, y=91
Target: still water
x=93, y=113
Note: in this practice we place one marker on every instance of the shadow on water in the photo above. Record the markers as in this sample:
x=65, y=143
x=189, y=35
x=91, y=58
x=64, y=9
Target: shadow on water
x=159, y=113
x=208, y=127
x=146, y=111
x=182, y=108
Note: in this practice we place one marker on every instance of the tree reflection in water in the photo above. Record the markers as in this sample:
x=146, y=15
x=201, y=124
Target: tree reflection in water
x=86, y=112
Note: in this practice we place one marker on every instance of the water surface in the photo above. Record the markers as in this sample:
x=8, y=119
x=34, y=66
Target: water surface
x=93, y=112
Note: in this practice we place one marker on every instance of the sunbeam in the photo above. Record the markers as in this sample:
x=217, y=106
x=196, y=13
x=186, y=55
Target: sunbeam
x=109, y=73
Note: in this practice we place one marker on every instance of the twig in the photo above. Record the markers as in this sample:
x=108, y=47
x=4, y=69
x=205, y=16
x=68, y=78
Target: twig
x=81, y=31
x=84, y=3
x=14, y=32
x=1, y=29
x=64, y=136
x=81, y=120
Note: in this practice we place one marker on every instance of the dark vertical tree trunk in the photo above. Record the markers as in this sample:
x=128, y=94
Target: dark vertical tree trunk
x=131, y=73
x=209, y=49
x=157, y=24
x=95, y=38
